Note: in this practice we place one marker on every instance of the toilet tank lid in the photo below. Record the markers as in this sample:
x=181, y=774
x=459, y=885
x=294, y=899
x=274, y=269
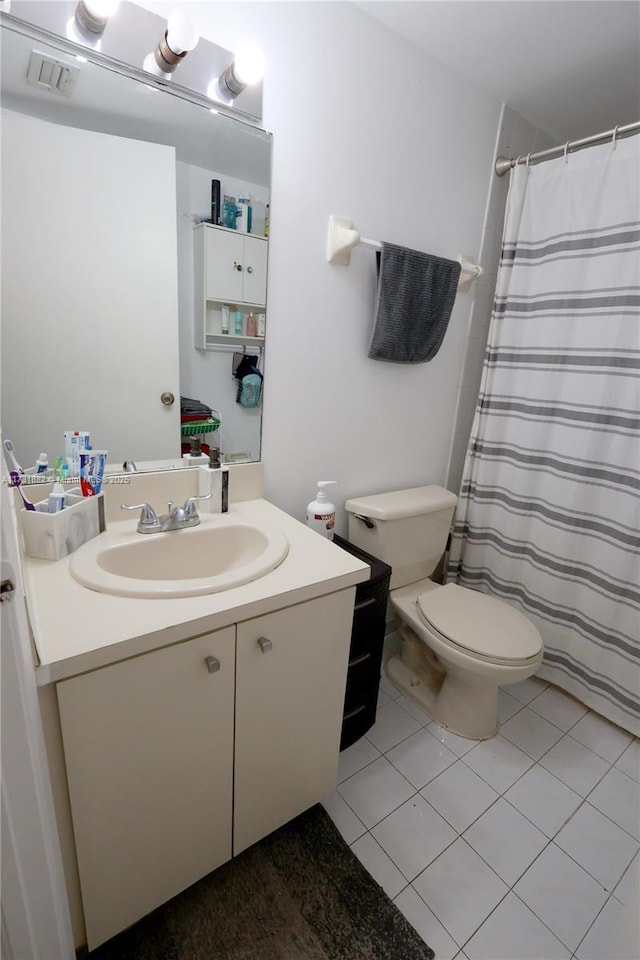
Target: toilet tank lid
x=403, y=503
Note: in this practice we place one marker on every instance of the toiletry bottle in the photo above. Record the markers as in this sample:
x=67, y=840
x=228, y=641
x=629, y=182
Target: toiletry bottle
x=225, y=489
x=261, y=325
x=195, y=457
x=214, y=479
x=238, y=323
x=42, y=463
x=229, y=213
x=321, y=513
x=244, y=218
x=215, y=201
x=252, y=327
x=55, y=500
x=224, y=318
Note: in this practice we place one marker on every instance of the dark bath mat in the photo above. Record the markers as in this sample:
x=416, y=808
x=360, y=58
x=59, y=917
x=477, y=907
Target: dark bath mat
x=299, y=894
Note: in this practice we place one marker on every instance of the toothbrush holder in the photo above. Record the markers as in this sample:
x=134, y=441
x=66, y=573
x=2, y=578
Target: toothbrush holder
x=52, y=536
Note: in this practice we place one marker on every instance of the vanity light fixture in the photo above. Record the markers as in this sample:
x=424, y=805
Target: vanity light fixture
x=246, y=69
x=91, y=17
x=179, y=38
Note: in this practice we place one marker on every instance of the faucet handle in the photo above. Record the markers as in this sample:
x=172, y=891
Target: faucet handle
x=148, y=517
x=190, y=504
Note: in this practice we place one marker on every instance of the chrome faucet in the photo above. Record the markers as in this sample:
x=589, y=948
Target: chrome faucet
x=176, y=518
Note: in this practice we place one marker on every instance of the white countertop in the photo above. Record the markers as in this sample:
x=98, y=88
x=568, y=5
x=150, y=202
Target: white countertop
x=77, y=629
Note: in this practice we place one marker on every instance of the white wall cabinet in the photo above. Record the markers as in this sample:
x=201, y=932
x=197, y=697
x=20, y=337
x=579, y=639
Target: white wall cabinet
x=172, y=769
x=229, y=268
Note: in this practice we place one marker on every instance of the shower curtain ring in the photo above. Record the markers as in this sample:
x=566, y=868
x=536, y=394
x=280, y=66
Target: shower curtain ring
x=527, y=160
x=566, y=151
x=615, y=135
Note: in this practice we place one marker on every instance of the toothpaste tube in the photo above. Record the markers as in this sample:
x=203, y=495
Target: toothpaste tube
x=74, y=442
x=92, y=466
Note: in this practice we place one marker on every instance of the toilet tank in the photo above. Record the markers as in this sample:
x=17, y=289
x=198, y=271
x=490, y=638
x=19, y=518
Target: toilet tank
x=408, y=529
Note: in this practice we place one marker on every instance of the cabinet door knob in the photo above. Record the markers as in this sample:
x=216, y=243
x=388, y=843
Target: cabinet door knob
x=213, y=664
x=265, y=644
x=249, y=269
x=237, y=266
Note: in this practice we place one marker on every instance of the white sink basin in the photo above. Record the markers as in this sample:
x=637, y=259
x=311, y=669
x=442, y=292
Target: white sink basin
x=217, y=555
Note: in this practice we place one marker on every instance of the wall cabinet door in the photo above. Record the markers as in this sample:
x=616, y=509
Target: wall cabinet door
x=235, y=267
x=291, y=668
x=149, y=752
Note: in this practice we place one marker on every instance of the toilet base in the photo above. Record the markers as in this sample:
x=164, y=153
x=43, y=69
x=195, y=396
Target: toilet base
x=468, y=708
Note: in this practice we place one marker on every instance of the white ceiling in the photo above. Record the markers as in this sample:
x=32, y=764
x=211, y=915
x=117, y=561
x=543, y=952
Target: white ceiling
x=572, y=67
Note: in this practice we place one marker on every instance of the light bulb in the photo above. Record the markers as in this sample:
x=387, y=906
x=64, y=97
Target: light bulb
x=102, y=8
x=182, y=33
x=91, y=18
x=249, y=64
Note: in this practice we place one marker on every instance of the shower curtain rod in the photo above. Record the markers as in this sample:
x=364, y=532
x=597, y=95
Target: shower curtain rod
x=504, y=164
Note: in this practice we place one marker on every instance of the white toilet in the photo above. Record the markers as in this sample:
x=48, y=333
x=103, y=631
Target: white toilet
x=458, y=645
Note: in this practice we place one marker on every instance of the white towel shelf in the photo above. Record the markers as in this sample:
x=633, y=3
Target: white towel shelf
x=343, y=237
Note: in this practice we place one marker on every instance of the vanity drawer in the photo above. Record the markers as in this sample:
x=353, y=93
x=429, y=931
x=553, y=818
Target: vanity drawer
x=367, y=642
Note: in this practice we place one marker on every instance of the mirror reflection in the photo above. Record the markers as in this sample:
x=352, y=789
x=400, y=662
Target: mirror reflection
x=120, y=303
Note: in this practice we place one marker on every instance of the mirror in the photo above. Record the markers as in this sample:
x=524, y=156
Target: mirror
x=102, y=190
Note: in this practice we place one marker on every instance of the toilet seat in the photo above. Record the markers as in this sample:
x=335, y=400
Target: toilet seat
x=485, y=627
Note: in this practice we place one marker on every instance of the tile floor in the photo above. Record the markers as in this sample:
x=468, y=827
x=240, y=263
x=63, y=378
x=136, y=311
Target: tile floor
x=523, y=847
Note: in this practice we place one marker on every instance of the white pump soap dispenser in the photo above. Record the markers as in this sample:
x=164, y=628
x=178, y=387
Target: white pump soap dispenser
x=321, y=513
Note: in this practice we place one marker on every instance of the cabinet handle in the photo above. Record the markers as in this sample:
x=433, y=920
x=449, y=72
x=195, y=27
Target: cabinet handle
x=265, y=644
x=249, y=269
x=365, y=603
x=237, y=266
x=213, y=664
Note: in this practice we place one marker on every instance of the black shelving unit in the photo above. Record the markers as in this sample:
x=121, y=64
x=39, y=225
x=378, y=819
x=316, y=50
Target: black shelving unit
x=367, y=641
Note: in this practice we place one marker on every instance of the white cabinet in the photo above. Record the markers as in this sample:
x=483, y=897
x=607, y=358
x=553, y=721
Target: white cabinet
x=148, y=747
x=289, y=702
x=172, y=769
x=229, y=268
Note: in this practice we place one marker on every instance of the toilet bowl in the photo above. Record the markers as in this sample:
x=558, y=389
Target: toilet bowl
x=459, y=646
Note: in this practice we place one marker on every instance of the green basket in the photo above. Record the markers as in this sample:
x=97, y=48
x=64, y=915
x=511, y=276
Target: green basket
x=194, y=427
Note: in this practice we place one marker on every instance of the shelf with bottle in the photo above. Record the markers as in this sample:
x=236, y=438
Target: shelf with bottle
x=230, y=323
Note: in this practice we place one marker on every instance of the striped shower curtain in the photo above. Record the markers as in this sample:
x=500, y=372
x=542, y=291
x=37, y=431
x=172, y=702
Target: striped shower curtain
x=548, y=517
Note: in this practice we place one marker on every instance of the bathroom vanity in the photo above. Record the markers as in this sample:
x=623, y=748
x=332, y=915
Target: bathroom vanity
x=186, y=728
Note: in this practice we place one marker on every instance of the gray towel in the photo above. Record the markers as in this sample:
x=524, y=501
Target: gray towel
x=414, y=301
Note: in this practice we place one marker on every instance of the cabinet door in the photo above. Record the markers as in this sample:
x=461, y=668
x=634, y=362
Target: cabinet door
x=224, y=255
x=255, y=270
x=149, y=752
x=289, y=700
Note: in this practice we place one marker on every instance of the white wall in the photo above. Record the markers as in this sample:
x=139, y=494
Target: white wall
x=367, y=127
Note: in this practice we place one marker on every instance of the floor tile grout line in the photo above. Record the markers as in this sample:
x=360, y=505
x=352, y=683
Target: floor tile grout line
x=532, y=911
x=611, y=820
x=442, y=923
x=532, y=822
x=593, y=921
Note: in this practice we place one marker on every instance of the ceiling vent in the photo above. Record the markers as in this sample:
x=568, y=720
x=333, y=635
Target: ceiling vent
x=50, y=74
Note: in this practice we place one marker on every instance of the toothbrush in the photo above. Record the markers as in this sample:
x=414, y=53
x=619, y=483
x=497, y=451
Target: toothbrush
x=16, y=480
x=11, y=456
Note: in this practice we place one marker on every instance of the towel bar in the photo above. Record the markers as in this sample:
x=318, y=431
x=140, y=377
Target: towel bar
x=343, y=237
